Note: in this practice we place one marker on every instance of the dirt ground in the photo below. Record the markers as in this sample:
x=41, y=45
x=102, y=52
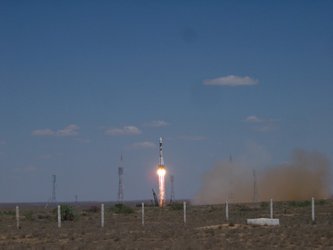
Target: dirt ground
x=205, y=228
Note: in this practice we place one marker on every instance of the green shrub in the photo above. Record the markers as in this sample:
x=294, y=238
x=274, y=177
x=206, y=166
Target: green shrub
x=28, y=215
x=300, y=203
x=321, y=202
x=8, y=213
x=122, y=209
x=263, y=204
x=67, y=213
x=176, y=206
x=42, y=216
x=244, y=208
x=92, y=209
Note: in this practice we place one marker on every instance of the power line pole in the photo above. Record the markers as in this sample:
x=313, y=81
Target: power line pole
x=120, y=183
x=255, y=191
x=53, y=197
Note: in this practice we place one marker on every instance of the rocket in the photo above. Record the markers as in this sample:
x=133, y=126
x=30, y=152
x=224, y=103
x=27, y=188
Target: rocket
x=161, y=171
x=161, y=163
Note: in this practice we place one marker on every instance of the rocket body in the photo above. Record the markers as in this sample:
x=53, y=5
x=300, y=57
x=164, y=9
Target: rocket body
x=161, y=163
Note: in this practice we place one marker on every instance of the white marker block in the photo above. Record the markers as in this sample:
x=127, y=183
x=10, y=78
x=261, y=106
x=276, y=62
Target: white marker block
x=226, y=211
x=263, y=222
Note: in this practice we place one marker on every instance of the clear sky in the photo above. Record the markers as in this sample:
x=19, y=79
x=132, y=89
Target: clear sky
x=83, y=81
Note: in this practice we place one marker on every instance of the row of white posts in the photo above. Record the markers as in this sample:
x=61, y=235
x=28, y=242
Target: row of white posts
x=271, y=210
x=102, y=214
x=143, y=213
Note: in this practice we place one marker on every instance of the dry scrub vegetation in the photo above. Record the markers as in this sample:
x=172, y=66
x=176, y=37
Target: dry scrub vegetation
x=206, y=227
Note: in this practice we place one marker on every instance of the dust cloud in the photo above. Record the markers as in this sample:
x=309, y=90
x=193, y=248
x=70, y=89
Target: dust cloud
x=306, y=175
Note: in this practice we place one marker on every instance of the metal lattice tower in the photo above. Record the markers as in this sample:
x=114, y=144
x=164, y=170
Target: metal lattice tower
x=255, y=191
x=120, y=184
x=231, y=181
x=172, y=180
x=54, y=180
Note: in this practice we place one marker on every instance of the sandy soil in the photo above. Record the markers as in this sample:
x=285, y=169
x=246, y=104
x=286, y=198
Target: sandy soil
x=206, y=228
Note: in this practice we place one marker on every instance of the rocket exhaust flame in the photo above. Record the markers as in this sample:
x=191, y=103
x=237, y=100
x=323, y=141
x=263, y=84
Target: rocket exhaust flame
x=161, y=184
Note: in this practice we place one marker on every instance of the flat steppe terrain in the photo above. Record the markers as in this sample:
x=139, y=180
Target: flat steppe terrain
x=205, y=228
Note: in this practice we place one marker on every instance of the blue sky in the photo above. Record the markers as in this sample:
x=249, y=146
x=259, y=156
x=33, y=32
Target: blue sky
x=83, y=81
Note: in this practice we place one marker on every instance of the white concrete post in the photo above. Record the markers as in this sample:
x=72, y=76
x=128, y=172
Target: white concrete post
x=226, y=211
x=17, y=217
x=313, y=209
x=143, y=214
x=59, y=217
x=184, y=205
x=271, y=206
x=102, y=215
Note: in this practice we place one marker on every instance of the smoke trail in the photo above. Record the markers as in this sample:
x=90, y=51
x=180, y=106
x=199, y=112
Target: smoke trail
x=226, y=181
x=306, y=175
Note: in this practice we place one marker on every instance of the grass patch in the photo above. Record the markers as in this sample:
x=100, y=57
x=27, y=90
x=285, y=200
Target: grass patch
x=305, y=203
x=176, y=206
x=264, y=205
x=93, y=209
x=244, y=208
x=28, y=215
x=7, y=213
x=321, y=202
x=122, y=209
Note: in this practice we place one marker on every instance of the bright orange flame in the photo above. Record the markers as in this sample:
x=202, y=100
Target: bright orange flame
x=161, y=184
x=161, y=171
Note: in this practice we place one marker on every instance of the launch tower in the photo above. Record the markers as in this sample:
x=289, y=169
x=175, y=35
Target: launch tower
x=172, y=181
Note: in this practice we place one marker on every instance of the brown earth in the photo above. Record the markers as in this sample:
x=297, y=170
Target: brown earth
x=206, y=228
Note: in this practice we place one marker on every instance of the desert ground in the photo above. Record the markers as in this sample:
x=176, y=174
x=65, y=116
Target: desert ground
x=206, y=227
